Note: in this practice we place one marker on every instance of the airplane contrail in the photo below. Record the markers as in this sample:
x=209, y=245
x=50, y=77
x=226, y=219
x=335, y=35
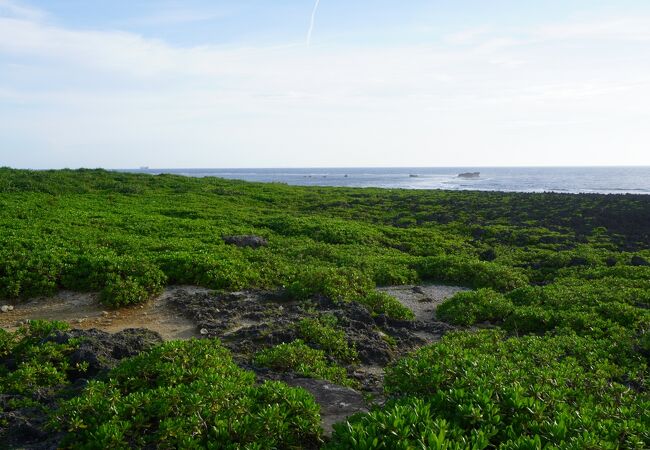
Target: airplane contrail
x=311, y=24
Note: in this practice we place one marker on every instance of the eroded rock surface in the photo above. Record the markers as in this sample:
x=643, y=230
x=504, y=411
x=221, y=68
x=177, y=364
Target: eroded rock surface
x=247, y=322
x=102, y=350
x=246, y=241
x=336, y=402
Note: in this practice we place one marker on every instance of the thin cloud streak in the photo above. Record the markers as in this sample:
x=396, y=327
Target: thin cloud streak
x=312, y=22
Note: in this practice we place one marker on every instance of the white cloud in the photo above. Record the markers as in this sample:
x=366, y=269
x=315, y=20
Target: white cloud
x=626, y=29
x=468, y=36
x=9, y=8
x=176, y=15
x=135, y=100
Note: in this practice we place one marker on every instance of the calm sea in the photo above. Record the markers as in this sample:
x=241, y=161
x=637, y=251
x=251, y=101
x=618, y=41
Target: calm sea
x=606, y=180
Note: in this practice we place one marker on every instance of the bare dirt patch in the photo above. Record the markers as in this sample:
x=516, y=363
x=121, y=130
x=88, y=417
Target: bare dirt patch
x=422, y=299
x=84, y=311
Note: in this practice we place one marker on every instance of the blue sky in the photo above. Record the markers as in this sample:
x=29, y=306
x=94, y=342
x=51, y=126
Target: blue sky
x=121, y=84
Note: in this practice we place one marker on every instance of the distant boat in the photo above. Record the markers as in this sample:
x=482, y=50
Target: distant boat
x=412, y=175
x=469, y=175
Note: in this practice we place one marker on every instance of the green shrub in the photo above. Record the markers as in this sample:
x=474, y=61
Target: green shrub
x=473, y=273
x=390, y=272
x=303, y=360
x=214, y=271
x=383, y=303
x=404, y=424
x=35, y=371
x=25, y=273
x=36, y=364
x=324, y=229
x=322, y=334
x=122, y=280
x=337, y=284
x=469, y=308
x=188, y=395
x=490, y=392
x=598, y=307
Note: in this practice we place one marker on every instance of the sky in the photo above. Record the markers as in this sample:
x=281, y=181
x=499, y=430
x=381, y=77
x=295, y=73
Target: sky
x=253, y=83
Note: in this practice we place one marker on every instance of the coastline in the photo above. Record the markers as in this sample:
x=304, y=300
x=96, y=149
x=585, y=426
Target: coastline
x=572, y=180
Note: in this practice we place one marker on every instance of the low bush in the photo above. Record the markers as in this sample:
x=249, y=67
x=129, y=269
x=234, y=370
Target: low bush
x=31, y=363
x=303, y=360
x=122, y=280
x=469, y=272
x=214, y=271
x=35, y=371
x=405, y=424
x=471, y=307
x=324, y=229
x=337, y=284
x=588, y=308
x=322, y=334
x=188, y=395
x=481, y=390
x=24, y=273
x=382, y=303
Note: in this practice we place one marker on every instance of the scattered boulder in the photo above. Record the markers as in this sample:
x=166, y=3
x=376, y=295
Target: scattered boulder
x=418, y=290
x=488, y=255
x=26, y=429
x=249, y=240
x=639, y=261
x=578, y=261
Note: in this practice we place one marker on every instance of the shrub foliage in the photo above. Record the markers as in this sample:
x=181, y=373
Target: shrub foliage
x=188, y=395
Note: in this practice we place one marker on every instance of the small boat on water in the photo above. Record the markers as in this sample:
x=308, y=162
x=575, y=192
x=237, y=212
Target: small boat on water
x=412, y=175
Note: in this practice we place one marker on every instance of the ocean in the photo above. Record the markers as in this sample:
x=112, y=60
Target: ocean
x=604, y=180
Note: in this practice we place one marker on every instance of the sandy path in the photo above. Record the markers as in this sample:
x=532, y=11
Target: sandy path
x=422, y=299
x=84, y=311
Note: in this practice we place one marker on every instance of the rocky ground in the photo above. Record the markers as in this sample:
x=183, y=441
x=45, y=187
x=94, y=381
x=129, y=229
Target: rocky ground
x=26, y=427
x=245, y=322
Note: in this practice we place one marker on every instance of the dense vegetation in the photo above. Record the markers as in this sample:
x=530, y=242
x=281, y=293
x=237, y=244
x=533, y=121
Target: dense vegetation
x=188, y=395
x=562, y=284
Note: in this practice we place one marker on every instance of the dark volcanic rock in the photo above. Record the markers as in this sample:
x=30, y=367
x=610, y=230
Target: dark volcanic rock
x=246, y=241
x=488, y=255
x=337, y=403
x=578, y=261
x=247, y=322
x=639, y=261
x=26, y=430
x=102, y=350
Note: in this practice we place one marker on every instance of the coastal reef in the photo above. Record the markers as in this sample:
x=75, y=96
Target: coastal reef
x=208, y=313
